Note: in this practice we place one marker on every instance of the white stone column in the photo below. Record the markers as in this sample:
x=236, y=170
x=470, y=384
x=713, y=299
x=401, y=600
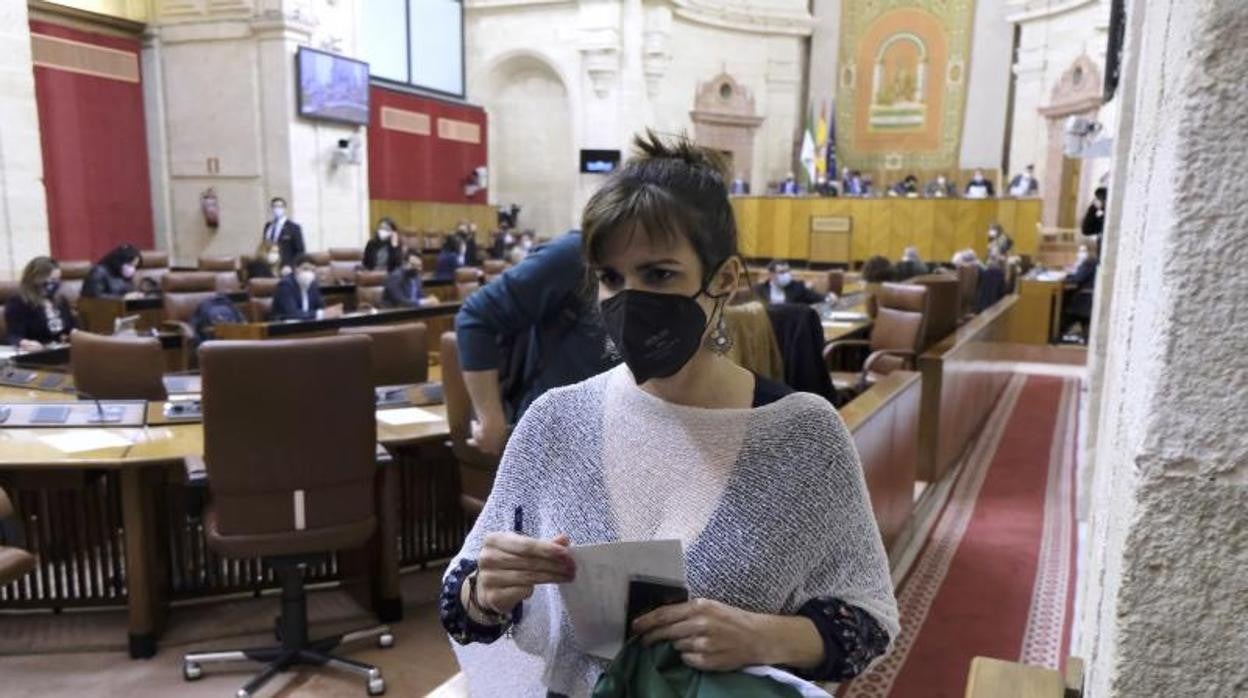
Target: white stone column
x=1164, y=591
x=23, y=203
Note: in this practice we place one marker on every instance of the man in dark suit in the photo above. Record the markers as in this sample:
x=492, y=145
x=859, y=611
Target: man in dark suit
x=297, y=296
x=403, y=285
x=781, y=287
x=283, y=233
x=789, y=186
x=979, y=187
x=1025, y=184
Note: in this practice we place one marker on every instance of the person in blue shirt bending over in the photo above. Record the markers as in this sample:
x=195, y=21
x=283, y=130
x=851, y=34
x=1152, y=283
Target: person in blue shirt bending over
x=537, y=308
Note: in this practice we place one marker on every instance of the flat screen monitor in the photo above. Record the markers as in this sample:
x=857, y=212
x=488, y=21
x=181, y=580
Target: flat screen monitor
x=599, y=161
x=331, y=87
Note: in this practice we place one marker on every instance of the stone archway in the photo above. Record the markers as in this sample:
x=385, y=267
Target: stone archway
x=723, y=119
x=1077, y=93
x=533, y=162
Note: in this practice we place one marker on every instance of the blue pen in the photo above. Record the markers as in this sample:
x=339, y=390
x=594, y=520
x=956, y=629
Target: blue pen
x=518, y=527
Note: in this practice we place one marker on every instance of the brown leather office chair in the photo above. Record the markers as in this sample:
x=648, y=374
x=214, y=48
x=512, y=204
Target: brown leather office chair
x=896, y=338
x=153, y=265
x=8, y=289
x=73, y=273
x=117, y=367
x=346, y=254
x=261, y=291
x=494, y=267
x=189, y=281
x=465, y=275
x=369, y=288
x=400, y=353
x=968, y=285
x=291, y=477
x=476, y=468
x=14, y=562
x=343, y=272
x=943, y=306
x=218, y=262
x=465, y=289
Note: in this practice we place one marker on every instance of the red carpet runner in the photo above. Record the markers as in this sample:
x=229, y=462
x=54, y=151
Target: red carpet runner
x=996, y=577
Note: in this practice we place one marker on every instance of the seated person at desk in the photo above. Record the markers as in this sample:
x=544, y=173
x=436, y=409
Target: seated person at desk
x=298, y=297
x=383, y=251
x=403, y=285
x=940, y=188
x=113, y=275
x=450, y=258
x=781, y=287
x=1077, y=296
x=1025, y=184
x=998, y=241
x=911, y=265
x=906, y=187
x=36, y=315
x=659, y=449
x=979, y=187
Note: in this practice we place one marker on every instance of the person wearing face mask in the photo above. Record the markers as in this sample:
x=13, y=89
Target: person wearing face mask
x=37, y=314
x=113, y=275
x=780, y=287
x=450, y=258
x=979, y=187
x=403, y=285
x=383, y=251
x=763, y=486
x=1080, y=284
x=998, y=241
x=282, y=233
x=940, y=188
x=298, y=297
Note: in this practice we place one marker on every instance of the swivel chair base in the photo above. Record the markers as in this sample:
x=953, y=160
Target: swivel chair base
x=296, y=649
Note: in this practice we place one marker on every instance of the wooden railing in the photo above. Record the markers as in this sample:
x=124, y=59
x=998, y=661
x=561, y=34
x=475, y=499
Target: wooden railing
x=961, y=383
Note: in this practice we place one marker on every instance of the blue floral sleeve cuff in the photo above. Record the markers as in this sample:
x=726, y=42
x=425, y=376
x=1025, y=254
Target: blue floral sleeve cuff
x=852, y=639
x=455, y=619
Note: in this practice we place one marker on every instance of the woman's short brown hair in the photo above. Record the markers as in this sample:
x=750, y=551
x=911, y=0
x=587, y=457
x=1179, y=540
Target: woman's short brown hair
x=669, y=189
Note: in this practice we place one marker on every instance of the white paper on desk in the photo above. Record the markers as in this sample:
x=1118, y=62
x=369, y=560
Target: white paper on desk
x=406, y=415
x=79, y=440
x=847, y=316
x=597, y=601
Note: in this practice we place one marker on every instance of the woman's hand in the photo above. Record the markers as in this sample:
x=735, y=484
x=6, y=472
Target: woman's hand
x=28, y=345
x=510, y=565
x=709, y=635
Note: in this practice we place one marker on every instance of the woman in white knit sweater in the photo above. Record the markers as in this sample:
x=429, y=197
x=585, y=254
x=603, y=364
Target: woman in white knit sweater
x=784, y=560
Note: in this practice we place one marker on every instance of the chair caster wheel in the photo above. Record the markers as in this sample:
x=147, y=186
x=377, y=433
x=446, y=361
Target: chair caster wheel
x=385, y=641
x=191, y=671
x=376, y=687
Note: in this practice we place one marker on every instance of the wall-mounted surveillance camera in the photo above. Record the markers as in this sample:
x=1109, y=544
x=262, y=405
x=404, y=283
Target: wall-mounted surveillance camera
x=1081, y=138
x=350, y=151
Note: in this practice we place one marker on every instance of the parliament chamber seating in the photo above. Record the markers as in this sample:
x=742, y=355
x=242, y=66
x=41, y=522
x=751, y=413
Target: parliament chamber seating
x=463, y=289
x=8, y=289
x=14, y=562
x=324, y=272
x=943, y=306
x=261, y=291
x=493, y=268
x=287, y=494
x=344, y=262
x=154, y=264
x=476, y=468
x=896, y=337
x=218, y=263
x=369, y=288
x=72, y=275
x=968, y=289
x=400, y=353
x=117, y=367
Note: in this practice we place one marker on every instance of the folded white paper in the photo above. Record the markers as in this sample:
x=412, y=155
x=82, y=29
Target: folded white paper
x=406, y=415
x=79, y=440
x=597, y=601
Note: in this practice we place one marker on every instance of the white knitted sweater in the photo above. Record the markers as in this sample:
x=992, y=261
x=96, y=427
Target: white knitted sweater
x=770, y=502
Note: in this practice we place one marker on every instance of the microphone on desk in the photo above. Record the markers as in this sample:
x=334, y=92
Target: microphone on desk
x=101, y=416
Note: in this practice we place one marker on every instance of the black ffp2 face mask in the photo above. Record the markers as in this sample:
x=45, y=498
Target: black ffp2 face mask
x=655, y=333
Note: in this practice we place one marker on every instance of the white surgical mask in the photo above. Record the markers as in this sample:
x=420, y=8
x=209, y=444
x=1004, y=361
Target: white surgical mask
x=784, y=279
x=127, y=270
x=279, y=212
x=273, y=257
x=305, y=278
x=384, y=234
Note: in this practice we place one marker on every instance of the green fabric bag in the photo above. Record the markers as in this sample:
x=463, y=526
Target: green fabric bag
x=657, y=672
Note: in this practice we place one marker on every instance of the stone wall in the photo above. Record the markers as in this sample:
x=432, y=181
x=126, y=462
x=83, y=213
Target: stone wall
x=23, y=206
x=602, y=70
x=1163, y=595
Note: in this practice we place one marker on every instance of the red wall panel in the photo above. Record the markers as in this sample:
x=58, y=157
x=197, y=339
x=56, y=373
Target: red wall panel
x=405, y=166
x=94, y=154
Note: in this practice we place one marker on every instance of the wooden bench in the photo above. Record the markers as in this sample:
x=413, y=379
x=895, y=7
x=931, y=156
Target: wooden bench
x=997, y=678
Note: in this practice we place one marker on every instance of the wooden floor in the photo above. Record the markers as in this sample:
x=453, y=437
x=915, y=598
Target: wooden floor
x=78, y=654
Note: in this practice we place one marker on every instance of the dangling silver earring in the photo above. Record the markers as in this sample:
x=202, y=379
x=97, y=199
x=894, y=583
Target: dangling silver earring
x=719, y=341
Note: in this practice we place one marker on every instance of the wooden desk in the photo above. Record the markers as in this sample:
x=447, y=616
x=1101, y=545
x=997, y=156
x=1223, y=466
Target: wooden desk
x=131, y=492
x=437, y=318
x=1037, y=317
x=995, y=678
x=780, y=227
x=98, y=314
